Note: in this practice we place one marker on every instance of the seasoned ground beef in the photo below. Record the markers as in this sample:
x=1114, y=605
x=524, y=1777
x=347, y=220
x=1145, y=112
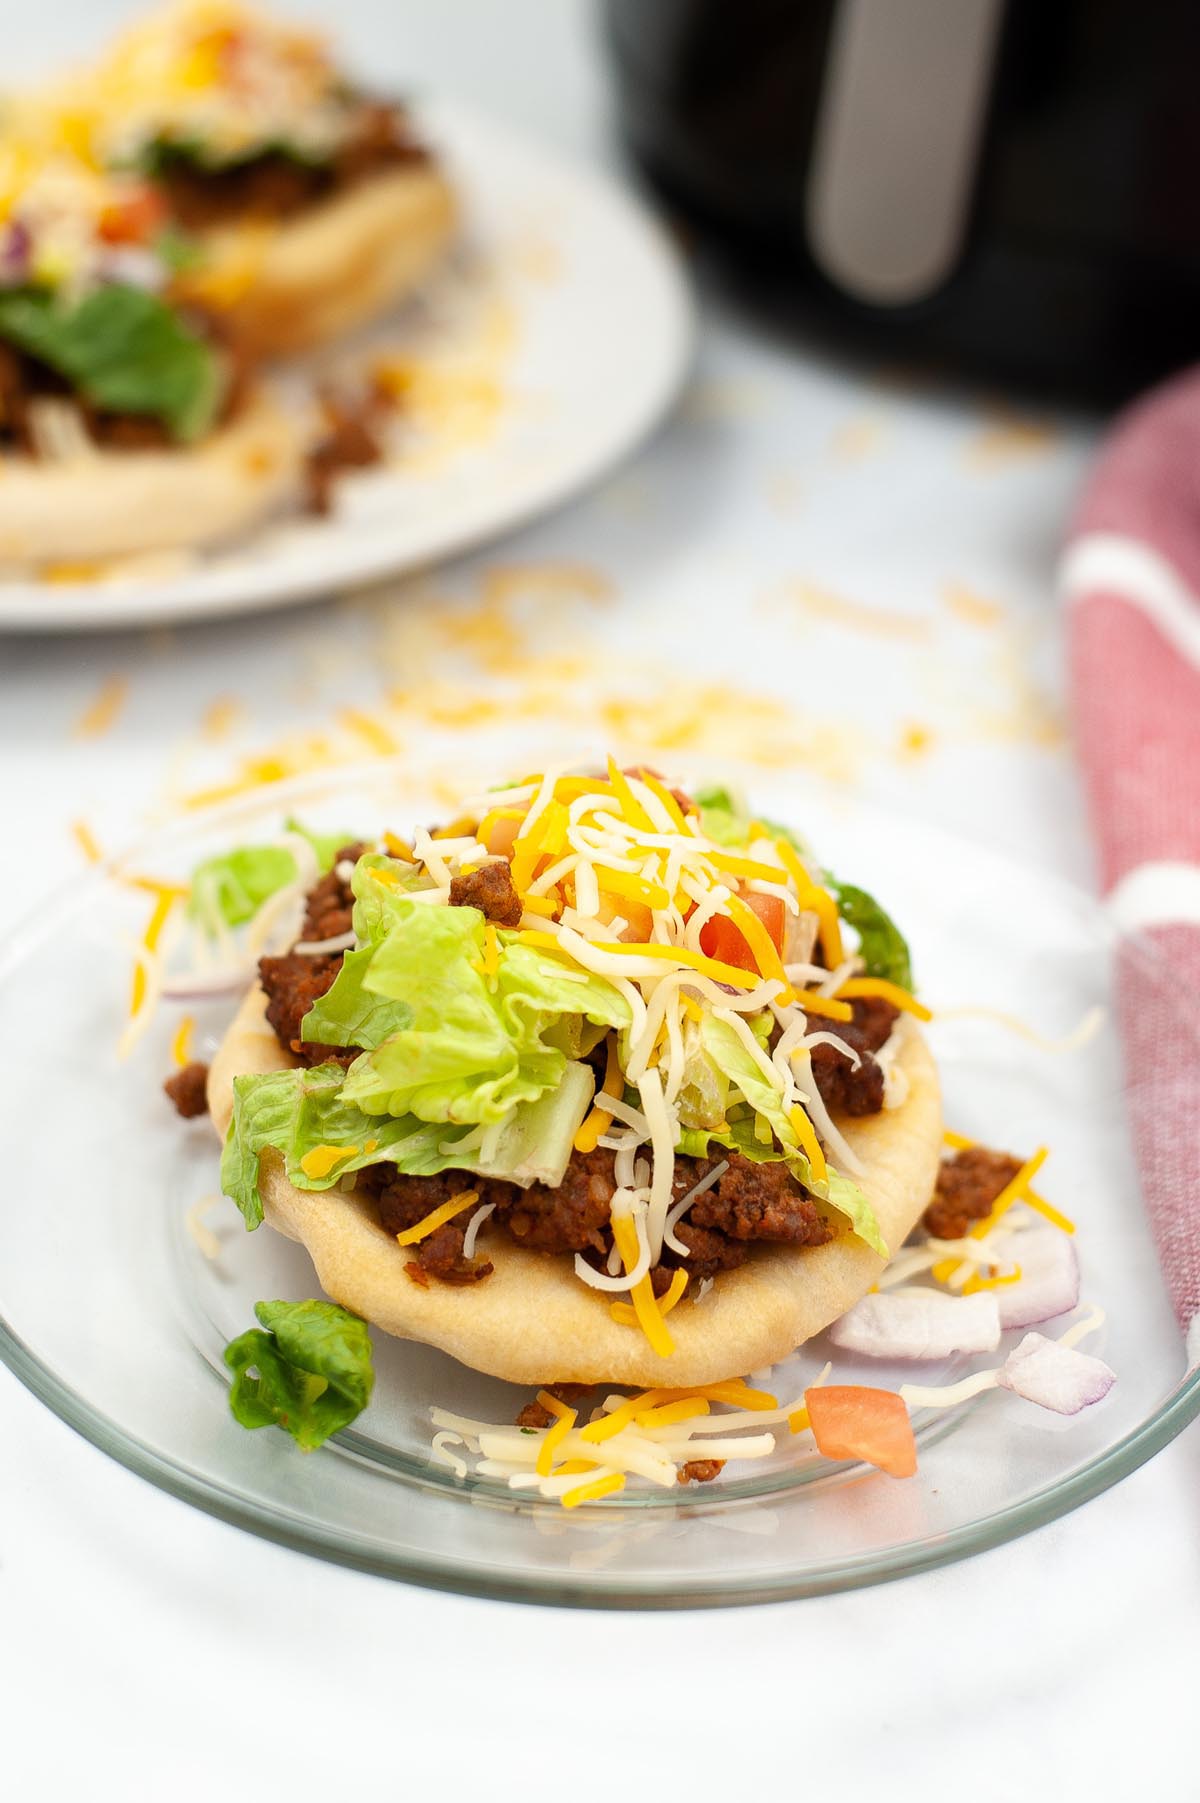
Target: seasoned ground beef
x=491, y=890
x=401, y=1202
x=843, y=1088
x=700, y=1471
x=330, y=903
x=967, y=1186
x=187, y=1090
x=759, y=1202
x=708, y=1252
x=292, y=984
x=571, y=1218
x=350, y=441
x=276, y=186
x=535, y=1415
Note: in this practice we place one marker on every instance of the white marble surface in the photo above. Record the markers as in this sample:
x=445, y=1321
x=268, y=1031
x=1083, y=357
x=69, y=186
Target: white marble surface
x=859, y=570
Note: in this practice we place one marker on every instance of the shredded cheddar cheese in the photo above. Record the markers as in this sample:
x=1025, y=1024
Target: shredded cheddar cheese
x=645, y=1305
x=438, y=1218
x=565, y=1419
x=588, y=1134
x=625, y=1316
x=889, y=992
x=810, y=1145
x=181, y=1045
x=601, y=1486
x=318, y=1163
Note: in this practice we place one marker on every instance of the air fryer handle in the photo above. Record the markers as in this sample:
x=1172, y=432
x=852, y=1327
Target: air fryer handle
x=898, y=131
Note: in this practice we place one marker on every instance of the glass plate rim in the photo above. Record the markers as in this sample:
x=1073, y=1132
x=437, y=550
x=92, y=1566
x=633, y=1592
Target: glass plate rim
x=599, y=1590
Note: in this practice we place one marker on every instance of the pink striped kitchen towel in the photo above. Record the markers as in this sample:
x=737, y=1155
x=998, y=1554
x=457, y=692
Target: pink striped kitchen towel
x=1131, y=576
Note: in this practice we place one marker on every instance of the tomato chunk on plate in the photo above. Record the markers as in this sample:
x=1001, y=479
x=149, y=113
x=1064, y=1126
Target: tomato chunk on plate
x=852, y=1421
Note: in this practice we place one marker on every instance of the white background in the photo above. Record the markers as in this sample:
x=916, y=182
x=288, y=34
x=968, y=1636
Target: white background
x=147, y=1651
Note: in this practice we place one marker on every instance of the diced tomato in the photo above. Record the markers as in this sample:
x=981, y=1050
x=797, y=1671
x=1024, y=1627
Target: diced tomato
x=502, y=836
x=722, y=940
x=639, y=921
x=852, y=1421
x=134, y=219
x=771, y=912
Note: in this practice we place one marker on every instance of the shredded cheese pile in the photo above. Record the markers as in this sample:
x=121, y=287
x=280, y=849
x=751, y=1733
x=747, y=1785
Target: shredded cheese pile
x=617, y=877
x=218, y=76
x=653, y=1436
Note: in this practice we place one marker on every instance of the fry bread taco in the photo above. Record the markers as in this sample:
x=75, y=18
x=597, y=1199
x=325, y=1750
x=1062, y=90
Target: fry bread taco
x=309, y=207
x=128, y=422
x=600, y=1083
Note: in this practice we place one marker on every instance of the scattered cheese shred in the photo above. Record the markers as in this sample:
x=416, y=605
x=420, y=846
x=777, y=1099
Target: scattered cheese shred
x=826, y=1005
x=163, y=904
x=601, y=1486
x=819, y=900
x=181, y=1045
x=565, y=1419
x=399, y=848
x=625, y=1316
x=1012, y=1192
x=321, y=1160
x=86, y=841
x=1042, y=1207
x=810, y=1145
x=438, y=1218
x=588, y=1134
x=645, y=1305
x=890, y=992
x=957, y=1141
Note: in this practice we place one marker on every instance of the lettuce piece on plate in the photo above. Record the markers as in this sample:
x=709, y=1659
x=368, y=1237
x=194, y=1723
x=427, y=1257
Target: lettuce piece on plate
x=307, y=1370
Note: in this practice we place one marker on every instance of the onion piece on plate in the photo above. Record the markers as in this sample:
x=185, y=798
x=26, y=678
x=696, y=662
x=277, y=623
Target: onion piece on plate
x=922, y=1325
x=1049, y=1282
x=1055, y=1376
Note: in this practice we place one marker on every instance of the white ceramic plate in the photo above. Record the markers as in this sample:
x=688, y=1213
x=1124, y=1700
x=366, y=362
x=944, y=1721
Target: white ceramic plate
x=553, y=345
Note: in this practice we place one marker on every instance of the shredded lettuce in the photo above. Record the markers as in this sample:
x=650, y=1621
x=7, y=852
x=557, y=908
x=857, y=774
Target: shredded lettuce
x=722, y=816
x=883, y=946
x=124, y=350
x=233, y=887
x=440, y=1042
x=295, y=1111
x=313, y=1366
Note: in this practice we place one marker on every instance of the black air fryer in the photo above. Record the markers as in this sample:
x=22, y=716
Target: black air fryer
x=1013, y=185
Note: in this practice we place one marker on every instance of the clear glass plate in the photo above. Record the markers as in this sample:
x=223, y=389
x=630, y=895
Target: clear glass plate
x=113, y=1314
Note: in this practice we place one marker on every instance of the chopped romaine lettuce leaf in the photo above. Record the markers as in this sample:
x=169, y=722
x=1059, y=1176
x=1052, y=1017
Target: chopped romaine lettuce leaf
x=296, y=1111
x=314, y=1371
x=882, y=945
x=122, y=349
x=232, y=888
x=722, y=816
x=441, y=1042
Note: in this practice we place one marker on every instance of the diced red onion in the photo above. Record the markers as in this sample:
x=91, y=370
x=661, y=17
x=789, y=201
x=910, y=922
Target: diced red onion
x=1055, y=1376
x=925, y=1325
x=1049, y=1281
